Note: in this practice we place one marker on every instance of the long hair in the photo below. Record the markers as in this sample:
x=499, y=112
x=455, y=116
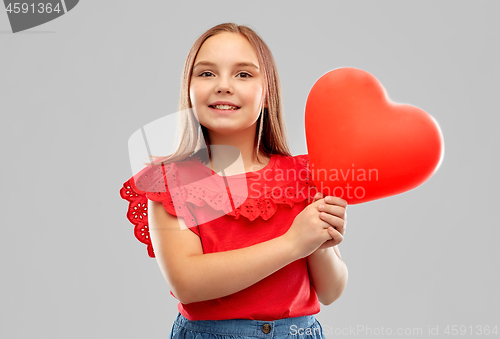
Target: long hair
x=271, y=137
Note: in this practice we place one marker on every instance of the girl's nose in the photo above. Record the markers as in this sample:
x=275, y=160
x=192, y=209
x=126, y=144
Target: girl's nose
x=224, y=86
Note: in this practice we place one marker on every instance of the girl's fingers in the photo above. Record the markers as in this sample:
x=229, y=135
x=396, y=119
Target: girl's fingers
x=333, y=213
x=335, y=201
x=337, y=211
x=335, y=240
x=337, y=223
x=337, y=236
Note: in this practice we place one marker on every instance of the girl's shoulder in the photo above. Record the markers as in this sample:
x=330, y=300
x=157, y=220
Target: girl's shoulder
x=157, y=178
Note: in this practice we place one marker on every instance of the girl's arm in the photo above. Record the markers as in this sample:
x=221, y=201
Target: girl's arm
x=194, y=276
x=328, y=274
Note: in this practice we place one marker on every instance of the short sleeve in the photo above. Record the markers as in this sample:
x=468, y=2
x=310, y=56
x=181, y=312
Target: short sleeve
x=156, y=183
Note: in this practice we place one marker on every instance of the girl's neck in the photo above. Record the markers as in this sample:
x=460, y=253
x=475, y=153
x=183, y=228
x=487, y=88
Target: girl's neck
x=225, y=148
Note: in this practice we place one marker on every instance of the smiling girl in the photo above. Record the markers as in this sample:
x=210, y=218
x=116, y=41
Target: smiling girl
x=241, y=265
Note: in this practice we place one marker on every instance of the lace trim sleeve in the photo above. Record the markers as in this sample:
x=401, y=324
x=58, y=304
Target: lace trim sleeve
x=137, y=214
x=150, y=184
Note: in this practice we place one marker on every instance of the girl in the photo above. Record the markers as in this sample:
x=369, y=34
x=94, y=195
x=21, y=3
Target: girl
x=249, y=254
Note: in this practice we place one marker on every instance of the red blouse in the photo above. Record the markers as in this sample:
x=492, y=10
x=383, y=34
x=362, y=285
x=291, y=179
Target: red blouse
x=229, y=213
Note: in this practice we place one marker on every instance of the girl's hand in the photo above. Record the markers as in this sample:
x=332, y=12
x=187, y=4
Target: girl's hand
x=334, y=212
x=310, y=230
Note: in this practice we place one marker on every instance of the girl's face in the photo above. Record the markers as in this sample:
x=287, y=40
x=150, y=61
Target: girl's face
x=226, y=69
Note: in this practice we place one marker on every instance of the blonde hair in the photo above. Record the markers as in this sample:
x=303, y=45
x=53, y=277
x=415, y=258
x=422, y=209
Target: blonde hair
x=271, y=137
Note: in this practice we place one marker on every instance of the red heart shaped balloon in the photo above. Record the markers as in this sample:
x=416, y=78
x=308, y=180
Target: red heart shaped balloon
x=361, y=145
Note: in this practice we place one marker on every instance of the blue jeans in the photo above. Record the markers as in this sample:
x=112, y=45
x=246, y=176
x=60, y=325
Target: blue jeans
x=306, y=327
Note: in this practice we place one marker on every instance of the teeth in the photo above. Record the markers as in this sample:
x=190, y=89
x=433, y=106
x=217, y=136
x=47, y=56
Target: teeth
x=225, y=107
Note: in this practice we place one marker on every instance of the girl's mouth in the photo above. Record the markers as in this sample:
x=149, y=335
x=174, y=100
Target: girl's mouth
x=225, y=109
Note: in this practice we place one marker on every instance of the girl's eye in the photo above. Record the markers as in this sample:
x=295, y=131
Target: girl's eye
x=243, y=74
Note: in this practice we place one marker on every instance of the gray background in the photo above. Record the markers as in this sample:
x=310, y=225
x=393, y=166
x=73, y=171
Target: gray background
x=74, y=90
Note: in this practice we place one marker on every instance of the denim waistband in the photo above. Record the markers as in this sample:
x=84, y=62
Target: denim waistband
x=247, y=327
